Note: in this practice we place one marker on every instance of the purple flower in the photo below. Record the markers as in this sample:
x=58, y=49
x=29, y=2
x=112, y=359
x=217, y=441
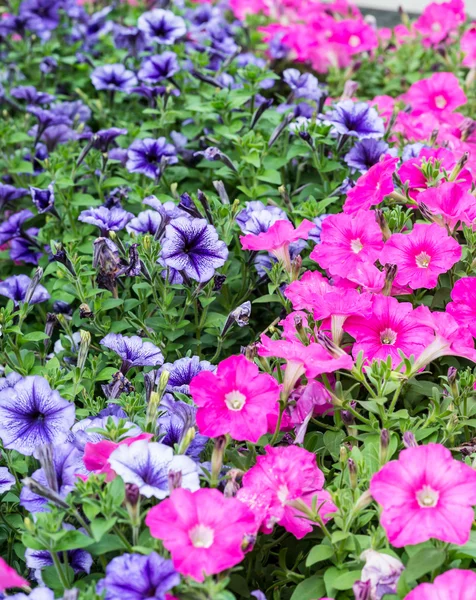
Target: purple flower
x=42, y=14
x=356, y=119
x=256, y=217
x=32, y=414
x=31, y=95
x=12, y=226
x=113, y=77
x=146, y=156
x=192, y=247
x=104, y=137
x=148, y=464
x=303, y=85
x=150, y=92
x=54, y=135
x=7, y=480
x=67, y=464
x=9, y=193
x=16, y=287
x=258, y=595
x=44, y=200
x=148, y=221
x=159, y=67
x=48, y=118
x=24, y=249
x=365, y=154
x=182, y=371
x=75, y=111
x=412, y=151
x=169, y=210
x=162, y=26
x=39, y=593
x=130, y=38
x=48, y=64
x=113, y=410
x=119, y=154
x=138, y=577
x=10, y=380
x=107, y=219
x=133, y=351
x=315, y=234
x=85, y=431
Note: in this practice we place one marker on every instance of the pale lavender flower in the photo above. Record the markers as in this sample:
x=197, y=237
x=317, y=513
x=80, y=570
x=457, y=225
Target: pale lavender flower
x=85, y=431
x=133, y=351
x=147, y=465
x=7, y=480
x=42, y=15
x=10, y=380
x=147, y=156
x=169, y=210
x=412, y=151
x=256, y=217
x=104, y=137
x=48, y=118
x=32, y=414
x=355, y=119
x=113, y=77
x=39, y=593
x=12, y=226
x=138, y=577
x=382, y=571
x=16, y=287
x=315, y=234
x=182, y=371
x=303, y=85
x=192, y=247
x=147, y=221
x=107, y=219
x=162, y=26
x=365, y=154
x=159, y=67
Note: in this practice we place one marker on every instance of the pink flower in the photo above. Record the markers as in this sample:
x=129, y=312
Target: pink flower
x=390, y=330
x=425, y=494
x=9, y=578
x=277, y=239
x=452, y=202
x=421, y=255
x=455, y=584
x=372, y=187
x=203, y=530
x=435, y=23
x=96, y=456
x=468, y=47
x=355, y=35
x=307, y=290
x=237, y=399
x=283, y=479
x=347, y=241
x=439, y=93
x=463, y=307
x=384, y=104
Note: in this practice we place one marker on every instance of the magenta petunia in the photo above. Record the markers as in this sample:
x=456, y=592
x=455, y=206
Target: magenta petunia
x=463, y=305
x=308, y=290
x=438, y=94
x=451, y=203
x=282, y=480
x=237, y=399
x=456, y=584
x=203, y=530
x=372, y=187
x=425, y=494
x=389, y=331
x=9, y=578
x=347, y=241
x=421, y=256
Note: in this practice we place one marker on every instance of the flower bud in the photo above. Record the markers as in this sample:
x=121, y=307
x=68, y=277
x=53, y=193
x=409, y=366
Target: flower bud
x=218, y=281
x=175, y=480
x=206, y=206
x=152, y=412
x=458, y=167
x=364, y=500
x=240, y=316
x=409, y=440
x=353, y=472
x=217, y=459
x=382, y=223
x=384, y=443
x=83, y=348
x=162, y=383
x=452, y=375
x=221, y=191
x=33, y=285
x=329, y=345
x=132, y=494
x=390, y=274
x=343, y=455
x=50, y=324
x=186, y=440
x=350, y=87
x=38, y=488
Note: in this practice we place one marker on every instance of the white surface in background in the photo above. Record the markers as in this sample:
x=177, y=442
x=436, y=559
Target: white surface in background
x=409, y=5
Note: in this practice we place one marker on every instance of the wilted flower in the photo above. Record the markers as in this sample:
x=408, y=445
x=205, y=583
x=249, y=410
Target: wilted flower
x=382, y=571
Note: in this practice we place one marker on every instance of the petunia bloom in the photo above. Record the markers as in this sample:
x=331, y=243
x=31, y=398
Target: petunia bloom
x=282, y=479
x=162, y=26
x=463, y=305
x=372, y=187
x=17, y=286
x=159, y=67
x=11, y=227
x=107, y=219
x=237, y=399
x=182, y=371
x=355, y=119
x=113, y=78
x=147, y=156
x=9, y=578
x=365, y=154
x=7, y=480
x=438, y=94
x=451, y=202
x=455, y=584
x=203, y=530
x=133, y=350
x=421, y=256
x=425, y=494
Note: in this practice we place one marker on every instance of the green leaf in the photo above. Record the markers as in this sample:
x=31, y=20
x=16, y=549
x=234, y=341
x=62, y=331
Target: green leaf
x=99, y=527
x=108, y=543
x=267, y=298
x=424, y=561
x=318, y=554
x=333, y=441
x=347, y=580
x=310, y=589
x=35, y=336
x=72, y=540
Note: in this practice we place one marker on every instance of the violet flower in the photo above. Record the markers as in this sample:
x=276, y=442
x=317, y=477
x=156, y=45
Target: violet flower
x=104, y=137
x=138, y=577
x=133, y=351
x=31, y=95
x=130, y=38
x=114, y=78
x=159, y=67
x=356, y=119
x=303, y=85
x=86, y=430
x=12, y=227
x=315, y=234
x=44, y=200
x=39, y=593
x=107, y=219
x=169, y=210
x=24, y=249
x=148, y=464
x=10, y=380
x=192, y=247
x=148, y=156
x=182, y=371
x=257, y=218
x=365, y=154
x=162, y=26
x=54, y=135
x=76, y=111
x=32, y=414
x=147, y=221
x=7, y=480
x=150, y=92
x=17, y=286
x=47, y=117
x=43, y=15
x=9, y=193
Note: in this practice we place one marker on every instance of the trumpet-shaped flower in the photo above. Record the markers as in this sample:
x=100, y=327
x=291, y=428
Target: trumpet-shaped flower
x=456, y=584
x=9, y=578
x=450, y=201
x=372, y=187
x=463, y=307
x=438, y=94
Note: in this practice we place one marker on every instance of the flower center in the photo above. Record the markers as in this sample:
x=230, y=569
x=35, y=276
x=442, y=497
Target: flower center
x=436, y=26
x=388, y=337
x=440, y=101
x=354, y=41
x=283, y=493
x=356, y=246
x=201, y=536
x=235, y=400
x=427, y=497
x=423, y=260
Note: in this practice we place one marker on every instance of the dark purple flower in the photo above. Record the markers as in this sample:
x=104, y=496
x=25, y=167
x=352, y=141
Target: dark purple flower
x=12, y=226
x=148, y=221
x=44, y=200
x=138, y=577
x=192, y=247
x=113, y=410
x=365, y=154
x=32, y=414
x=40, y=155
x=355, y=119
x=62, y=308
x=16, y=287
x=147, y=156
x=202, y=15
x=107, y=219
x=150, y=92
x=54, y=135
x=42, y=14
x=48, y=118
x=75, y=111
x=117, y=196
x=103, y=138
x=67, y=464
x=9, y=193
x=221, y=39
x=257, y=217
x=130, y=38
x=158, y=67
x=182, y=371
x=23, y=249
x=113, y=77
x=148, y=464
x=48, y=64
x=162, y=26
x=31, y=95
x=133, y=351
x=7, y=480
